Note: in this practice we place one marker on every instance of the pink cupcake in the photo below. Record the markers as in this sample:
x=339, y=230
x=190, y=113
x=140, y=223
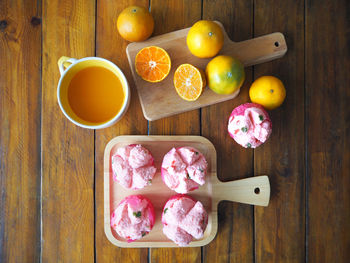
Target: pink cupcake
x=184, y=219
x=133, y=166
x=133, y=218
x=249, y=125
x=184, y=169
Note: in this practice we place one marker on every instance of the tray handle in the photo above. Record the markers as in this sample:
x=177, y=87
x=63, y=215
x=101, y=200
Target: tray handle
x=258, y=50
x=253, y=190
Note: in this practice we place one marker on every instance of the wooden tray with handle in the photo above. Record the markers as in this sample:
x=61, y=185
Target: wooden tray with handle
x=254, y=190
x=159, y=100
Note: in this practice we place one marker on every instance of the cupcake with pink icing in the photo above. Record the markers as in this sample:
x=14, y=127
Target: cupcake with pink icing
x=184, y=219
x=133, y=166
x=133, y=218
x=249, y=125
x=184, y=169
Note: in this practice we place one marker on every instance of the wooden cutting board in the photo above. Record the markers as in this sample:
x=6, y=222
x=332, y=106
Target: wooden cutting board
x=254, y=190
x=159, y=100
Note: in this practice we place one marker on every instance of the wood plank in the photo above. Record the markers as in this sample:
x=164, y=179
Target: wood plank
x=158, y=193
x=169, y=16
x=161, y=100
x=20, y=55
x=235, y=238
x=67, y=150
x=280, y=228
x=328, y=129
x=110, y=45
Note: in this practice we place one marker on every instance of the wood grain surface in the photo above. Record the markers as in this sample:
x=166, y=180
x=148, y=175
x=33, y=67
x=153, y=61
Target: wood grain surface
x=328, y=115
x=170, y=16
x=110, y=45
x=161, y=100
x=235, y=238
x=20, y=55
x=280, y=156
x=158, y=193
x=67, y=150
x=51, y=172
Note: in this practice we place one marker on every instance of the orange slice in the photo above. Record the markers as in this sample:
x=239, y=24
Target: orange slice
x=152, y=64
x=189, y=82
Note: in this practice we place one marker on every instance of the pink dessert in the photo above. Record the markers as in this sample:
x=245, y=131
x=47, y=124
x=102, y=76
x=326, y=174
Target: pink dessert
x=133, y=166
x=249, y=125
x=184, y=169
x=184, y=219
x=133, y=218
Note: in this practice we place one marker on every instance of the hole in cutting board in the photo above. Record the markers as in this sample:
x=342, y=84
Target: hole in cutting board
x=257, y=190
x=277, y=44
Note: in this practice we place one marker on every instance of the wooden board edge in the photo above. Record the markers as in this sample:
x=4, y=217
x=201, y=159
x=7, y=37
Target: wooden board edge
x=107, y=227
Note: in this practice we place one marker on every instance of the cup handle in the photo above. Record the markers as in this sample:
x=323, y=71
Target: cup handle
x=64, y=63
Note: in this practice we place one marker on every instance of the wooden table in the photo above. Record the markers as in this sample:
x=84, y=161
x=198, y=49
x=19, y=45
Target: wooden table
x=51, y=172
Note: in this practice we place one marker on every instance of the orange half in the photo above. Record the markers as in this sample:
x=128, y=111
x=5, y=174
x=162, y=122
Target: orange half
x=189, y=82
x=152, y=64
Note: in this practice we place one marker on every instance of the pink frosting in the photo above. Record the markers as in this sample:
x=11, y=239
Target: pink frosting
x=184, y=219
x=133, y=166
x=133, y=218
x=249, y=125
x=184, y=169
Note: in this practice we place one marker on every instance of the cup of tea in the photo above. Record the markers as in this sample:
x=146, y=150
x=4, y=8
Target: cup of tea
x=92, y=92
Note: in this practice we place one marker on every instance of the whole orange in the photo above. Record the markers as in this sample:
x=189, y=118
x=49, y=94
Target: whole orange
x=205, y=39
x=135, y=24
x=267, y=91
x=225, y=74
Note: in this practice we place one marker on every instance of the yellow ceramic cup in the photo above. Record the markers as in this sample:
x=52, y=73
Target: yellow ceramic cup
x=68, y=68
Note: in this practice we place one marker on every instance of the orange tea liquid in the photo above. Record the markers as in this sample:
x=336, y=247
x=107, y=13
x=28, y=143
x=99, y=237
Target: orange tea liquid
x=95, y=94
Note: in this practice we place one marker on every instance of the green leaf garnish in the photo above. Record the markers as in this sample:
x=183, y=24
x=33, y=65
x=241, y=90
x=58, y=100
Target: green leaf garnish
x=244, y=129
x=166, y=209
x=149, y=181
x=196, y=153
x=137, y=214
x=143, y=234
x=201, y=170
x=249, y=145
x=261, y=117
x=188, y=176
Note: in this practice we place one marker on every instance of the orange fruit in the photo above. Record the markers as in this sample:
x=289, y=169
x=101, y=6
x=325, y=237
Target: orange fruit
x=135, y=23
x=225, y=74
x=205, y=39
x=152, y=64
x=189, y=82
x=267, y=91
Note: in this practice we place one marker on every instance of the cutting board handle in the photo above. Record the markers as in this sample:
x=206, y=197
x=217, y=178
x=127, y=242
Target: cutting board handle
x=253, y=190
x=258, y=50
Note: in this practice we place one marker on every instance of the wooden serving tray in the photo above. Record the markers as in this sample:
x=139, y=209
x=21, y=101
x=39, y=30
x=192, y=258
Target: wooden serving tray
x=209, y=194
x=159, y=100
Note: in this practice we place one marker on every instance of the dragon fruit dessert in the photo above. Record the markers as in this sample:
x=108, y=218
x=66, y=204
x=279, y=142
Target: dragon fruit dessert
x=184, y=169
x=133, y=218
x=250, y=125
x=184, y=219
x=133, y=166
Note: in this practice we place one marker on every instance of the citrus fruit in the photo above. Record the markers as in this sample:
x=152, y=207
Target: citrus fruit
x=152, y=64
x=189, y=82
x=225, y=74
x=205, y=39
x=135, y=23
x=267, y=91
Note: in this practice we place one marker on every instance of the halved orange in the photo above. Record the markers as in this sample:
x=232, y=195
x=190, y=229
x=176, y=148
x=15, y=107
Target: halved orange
x=152, y=64
x=189, y=82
